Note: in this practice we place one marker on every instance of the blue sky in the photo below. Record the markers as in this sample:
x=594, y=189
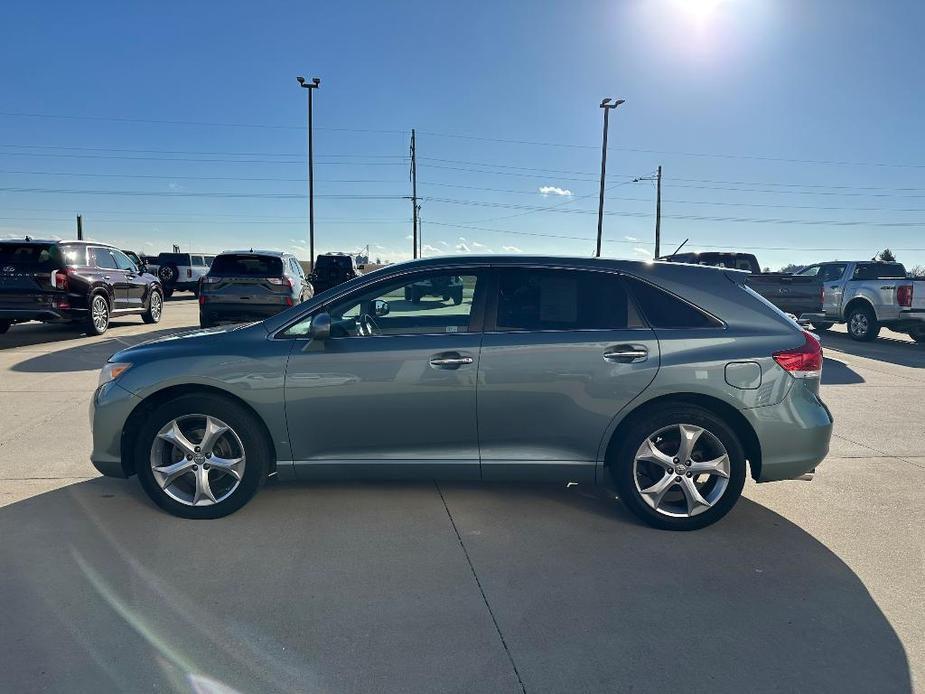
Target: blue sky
x=791, y=127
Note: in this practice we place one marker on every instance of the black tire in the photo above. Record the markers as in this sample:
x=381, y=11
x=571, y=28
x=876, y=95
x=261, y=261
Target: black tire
x=4, y=326
x=155, y=308
x=822, y=327
x=206, y=321
x=862, y=323
x=623, y=470
x=415, y=297
x=168, y=292
x=257, y=452
x=99, y=308
x=457, y=297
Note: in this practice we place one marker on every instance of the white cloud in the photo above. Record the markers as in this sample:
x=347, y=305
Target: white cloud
x=443, y=243
x=427, y=248
x=546, y=191
x=463, y=248
x=482, y=247
x=631, y=238
x=643, y=251
x=462, y=239
x=409, y=237
x=511, y=249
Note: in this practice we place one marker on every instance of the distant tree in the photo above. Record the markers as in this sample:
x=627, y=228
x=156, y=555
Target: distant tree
x=917, y=271
x=767, y=269
x=792, y=268
x=886, y=255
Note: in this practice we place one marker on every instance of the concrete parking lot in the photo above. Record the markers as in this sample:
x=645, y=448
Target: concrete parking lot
x=458, y=587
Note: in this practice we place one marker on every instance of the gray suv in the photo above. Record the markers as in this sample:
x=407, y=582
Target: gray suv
x=669, y=382
x=251, y=285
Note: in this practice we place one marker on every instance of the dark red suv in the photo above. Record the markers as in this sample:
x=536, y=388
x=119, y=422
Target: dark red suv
x=78, y=281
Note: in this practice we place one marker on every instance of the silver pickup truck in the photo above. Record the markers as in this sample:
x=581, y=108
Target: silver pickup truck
x=869, y=295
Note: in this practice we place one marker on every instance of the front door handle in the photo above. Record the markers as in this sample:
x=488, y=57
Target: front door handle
x=626, y=354
x=449, y=360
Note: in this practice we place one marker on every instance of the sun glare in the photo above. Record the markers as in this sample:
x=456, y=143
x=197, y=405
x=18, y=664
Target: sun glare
x=700, y=10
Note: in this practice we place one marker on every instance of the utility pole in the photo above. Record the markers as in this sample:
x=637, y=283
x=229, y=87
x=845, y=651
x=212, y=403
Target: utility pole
x=658, y=211
x=80, y=227
x=607, y=106
x=414, y=198
x=311, y=87
x=658, y=205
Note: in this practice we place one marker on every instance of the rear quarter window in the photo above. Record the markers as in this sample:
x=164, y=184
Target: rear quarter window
x=664, y=310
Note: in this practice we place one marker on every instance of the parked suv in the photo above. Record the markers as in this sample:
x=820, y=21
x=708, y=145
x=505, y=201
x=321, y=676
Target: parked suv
x=668, y=381
x=250, y=285
x=79, y=281
x=332, y=269
x=447, y=287
x=180, y=271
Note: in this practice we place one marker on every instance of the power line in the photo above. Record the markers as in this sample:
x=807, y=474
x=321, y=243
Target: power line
x=300, y=162
x=196, y=178
x=187, y=151
x=183, y=194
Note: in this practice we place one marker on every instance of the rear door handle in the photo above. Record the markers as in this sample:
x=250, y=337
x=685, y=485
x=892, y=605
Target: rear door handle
x=449, y=360
x=626, y=354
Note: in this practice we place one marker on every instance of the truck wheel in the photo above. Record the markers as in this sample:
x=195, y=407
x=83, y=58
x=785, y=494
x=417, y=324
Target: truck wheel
x=822, y=327
x=4, y=326
x=862, y=324
x=457, y=297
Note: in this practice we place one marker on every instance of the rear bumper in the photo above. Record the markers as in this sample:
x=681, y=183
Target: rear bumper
x=45, y=315
x=236, y=311
x=110, y=408
x=794, y=434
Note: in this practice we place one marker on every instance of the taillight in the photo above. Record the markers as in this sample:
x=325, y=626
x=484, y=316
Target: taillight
x=202, y=299
x=804, y=361
x=280, y=281
x=288, y=301
x=904, y=295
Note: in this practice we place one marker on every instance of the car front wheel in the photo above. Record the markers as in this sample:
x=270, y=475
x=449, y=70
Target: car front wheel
x=201, y=456
x=682, y=468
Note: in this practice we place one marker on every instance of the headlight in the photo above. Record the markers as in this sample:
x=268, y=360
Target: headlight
x=112, y=371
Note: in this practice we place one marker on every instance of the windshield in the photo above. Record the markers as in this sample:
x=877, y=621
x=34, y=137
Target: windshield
x=241, y=265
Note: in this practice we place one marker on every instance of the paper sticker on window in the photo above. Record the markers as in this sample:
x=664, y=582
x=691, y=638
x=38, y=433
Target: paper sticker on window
x=452, y=329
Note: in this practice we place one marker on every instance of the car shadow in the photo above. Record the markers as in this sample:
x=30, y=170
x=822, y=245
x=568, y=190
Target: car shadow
x=362, y=586
x=89, y=355
x=886, y=349
x=838, y=373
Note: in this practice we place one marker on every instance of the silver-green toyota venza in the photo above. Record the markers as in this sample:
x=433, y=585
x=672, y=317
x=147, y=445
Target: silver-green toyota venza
x=667, y=381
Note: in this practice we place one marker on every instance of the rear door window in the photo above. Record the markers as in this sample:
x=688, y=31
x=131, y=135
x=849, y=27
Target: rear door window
x=537, y=299
x=103, y=257
x=830, y=273
x=875, y=271
x=245, y=265
x=197, y=261
x=664, y=310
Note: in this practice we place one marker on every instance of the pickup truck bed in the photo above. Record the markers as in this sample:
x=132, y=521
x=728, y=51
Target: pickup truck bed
x=790, y=293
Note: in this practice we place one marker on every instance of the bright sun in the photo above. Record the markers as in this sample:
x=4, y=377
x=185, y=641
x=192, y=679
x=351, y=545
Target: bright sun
x=699, y=9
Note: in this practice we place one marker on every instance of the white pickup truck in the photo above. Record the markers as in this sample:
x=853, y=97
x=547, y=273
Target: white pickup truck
x=868, y=295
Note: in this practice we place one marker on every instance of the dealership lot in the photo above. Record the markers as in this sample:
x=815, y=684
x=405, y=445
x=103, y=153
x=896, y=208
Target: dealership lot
x=457, y=587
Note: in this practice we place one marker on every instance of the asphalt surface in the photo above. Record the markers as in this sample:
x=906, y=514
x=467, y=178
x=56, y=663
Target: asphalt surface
x=805, y=586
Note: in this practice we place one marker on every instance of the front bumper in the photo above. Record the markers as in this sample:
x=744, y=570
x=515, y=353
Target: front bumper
x=110, y=408
x=794, y=434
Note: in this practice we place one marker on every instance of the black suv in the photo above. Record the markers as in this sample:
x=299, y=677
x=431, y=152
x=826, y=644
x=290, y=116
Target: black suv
x=447, y=287
x=332, y=269
x=79, y=281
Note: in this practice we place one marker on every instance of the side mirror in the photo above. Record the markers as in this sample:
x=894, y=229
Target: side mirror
x=381, y=307
x=320, y=328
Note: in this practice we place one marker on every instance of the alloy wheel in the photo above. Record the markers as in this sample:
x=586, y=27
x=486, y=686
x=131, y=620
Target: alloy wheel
x=197, y=460
x=100, y=313
x=156, y=306
x=681, y=470
x=859, y=324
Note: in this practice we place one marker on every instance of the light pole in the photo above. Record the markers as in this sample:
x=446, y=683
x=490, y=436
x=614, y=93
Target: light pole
x=310, y=86
x=606, y=105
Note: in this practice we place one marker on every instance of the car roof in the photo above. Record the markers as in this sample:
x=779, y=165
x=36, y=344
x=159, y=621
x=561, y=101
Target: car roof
x=255, y=251
x=70, y=242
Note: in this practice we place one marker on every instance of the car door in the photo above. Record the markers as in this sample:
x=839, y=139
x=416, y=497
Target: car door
x=833, y=287
x=109, y=273
x=564, y=351
x=135, y=283
x=392, y=391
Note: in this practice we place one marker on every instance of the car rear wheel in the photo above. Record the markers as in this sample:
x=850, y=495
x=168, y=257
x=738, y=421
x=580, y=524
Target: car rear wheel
x=155, y=308
x=862, y=324
x=681, y=468
x=4, y=326
x=201, y=456
x=822, y=327
x=98, y=321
